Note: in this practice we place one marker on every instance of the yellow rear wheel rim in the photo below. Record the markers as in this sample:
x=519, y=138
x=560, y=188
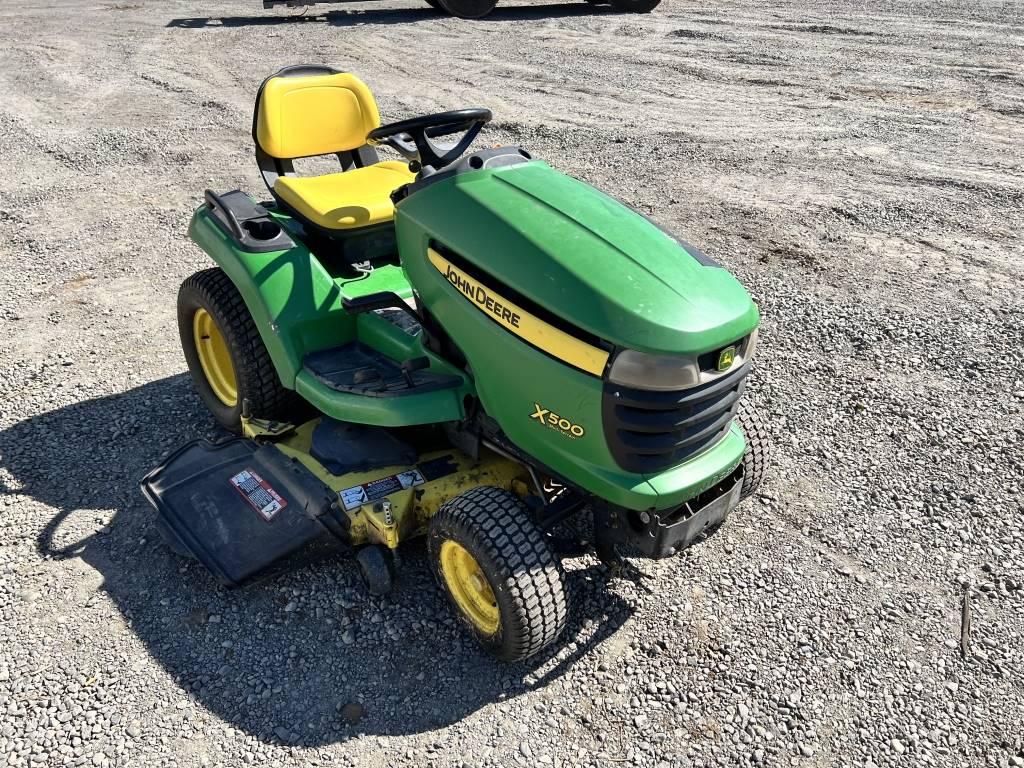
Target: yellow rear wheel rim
x=214, y=357
x=469, y=587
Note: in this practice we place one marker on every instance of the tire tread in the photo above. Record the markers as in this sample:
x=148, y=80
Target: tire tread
x=255, y=372
x=499, y=526
x=756, y=453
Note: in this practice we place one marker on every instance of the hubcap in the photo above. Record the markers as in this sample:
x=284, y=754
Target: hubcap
x=214, y=357
x=469, y=587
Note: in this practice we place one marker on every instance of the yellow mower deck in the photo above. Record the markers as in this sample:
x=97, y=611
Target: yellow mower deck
x=391, y=504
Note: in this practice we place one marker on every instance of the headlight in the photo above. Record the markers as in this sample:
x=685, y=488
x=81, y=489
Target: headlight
x=658, y=372
x=664, y=373
x=750, y=346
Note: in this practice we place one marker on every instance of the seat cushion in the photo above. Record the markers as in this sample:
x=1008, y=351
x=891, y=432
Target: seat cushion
x=356, y=198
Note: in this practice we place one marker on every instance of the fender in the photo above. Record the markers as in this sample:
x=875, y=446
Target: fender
x=294, y=302
x=297, y=308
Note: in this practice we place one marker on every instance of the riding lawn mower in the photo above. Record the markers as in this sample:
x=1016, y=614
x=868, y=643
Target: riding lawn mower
x=467, y=346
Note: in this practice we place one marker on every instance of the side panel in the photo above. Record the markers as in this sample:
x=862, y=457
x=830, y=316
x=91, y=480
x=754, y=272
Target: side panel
x=548, y=408
x=294, y=302
x=297, y=308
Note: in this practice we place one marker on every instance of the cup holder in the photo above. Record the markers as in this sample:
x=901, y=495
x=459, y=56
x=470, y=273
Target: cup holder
x=262, y=229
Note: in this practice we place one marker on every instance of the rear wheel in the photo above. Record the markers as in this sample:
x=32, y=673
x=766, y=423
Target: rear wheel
x=494, y=564
x=225, y=353
x=468, y=9
x=755, y=455
x=635, y=6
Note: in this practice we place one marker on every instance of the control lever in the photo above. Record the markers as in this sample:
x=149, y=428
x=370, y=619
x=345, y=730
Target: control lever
x=412, y=365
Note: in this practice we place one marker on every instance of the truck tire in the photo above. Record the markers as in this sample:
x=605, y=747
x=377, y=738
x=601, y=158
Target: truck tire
x=635, y=6
x=496, y=568
x=755, y=454
x=225, y=354
x=468, y=9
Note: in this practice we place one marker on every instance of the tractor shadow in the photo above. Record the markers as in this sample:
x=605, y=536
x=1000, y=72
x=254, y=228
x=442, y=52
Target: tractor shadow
x=279, y=659
x=385, y=16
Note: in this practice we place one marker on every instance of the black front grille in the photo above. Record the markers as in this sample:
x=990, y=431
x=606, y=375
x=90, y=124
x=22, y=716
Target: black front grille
x=652, y=431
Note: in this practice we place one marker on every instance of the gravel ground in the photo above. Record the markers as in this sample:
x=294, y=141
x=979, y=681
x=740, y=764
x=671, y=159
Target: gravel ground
x=859, y=164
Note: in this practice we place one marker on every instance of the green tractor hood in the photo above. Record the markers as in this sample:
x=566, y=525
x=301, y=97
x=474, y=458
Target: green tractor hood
x=586, y=258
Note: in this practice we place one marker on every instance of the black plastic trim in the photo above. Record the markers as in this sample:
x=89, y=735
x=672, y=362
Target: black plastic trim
x=649, y=431
x=201, y=514
x=358, y=369
x=485, y=159
x=667, y=532
x=246, y=222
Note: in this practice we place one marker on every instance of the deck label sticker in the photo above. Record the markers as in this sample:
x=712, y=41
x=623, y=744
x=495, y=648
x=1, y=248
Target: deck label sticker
x=259, y=494
x=358, y=495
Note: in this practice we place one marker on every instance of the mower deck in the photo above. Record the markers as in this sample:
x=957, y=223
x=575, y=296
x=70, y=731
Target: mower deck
x=240, y=507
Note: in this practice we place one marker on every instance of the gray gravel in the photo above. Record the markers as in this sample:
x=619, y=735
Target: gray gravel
x=857, y=164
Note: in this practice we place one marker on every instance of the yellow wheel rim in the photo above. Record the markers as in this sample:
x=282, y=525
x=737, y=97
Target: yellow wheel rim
x=469, y=587
x=214, y=357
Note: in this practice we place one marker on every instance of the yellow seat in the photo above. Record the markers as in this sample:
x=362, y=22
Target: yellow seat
x=308, y=112
x=355, y=198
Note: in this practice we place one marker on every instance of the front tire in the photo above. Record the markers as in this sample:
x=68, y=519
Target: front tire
x=225, y=354
x=755, y=454
x=498, y=571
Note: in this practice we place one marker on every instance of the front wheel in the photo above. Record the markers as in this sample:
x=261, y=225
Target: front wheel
x=755, y=454
x=497, y=569
x=635, y=6
x=468, y=9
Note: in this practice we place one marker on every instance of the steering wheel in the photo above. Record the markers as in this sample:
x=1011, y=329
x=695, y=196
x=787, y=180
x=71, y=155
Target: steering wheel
x=412, y=137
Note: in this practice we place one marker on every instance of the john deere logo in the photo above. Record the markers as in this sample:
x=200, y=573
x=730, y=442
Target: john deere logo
x=726, y=358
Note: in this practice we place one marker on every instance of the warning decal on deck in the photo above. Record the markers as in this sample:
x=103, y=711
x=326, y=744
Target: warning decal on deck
x=358, y=495
x=257, y=491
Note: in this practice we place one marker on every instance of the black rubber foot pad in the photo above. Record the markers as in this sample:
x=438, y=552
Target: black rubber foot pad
x=361, y=370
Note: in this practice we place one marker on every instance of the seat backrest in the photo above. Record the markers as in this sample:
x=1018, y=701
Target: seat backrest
x=309, y=111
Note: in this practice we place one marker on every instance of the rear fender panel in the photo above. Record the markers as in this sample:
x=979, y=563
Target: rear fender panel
x=295, y=303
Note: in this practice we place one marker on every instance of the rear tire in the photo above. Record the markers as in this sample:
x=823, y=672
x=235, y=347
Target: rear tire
x=519, y=584
x=755, y=454
x=212, y=297
x=635, y=6
x=468, y=9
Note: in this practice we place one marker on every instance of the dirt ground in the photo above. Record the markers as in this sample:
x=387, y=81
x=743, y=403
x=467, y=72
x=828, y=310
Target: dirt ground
x=858, y=164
